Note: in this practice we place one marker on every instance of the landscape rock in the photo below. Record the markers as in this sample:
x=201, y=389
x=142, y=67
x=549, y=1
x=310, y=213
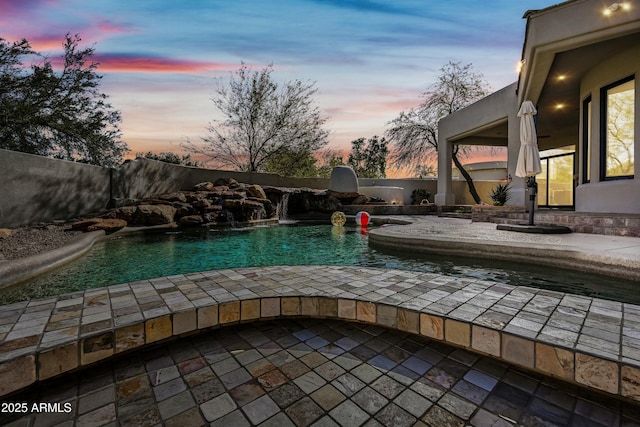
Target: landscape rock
x=233, y=194
x=128, y=213
x=269, y=190
x=5, y=232
x=227, y=201
x=173, y=197
x=229, y=182
x=248, y=210
x=255, y=191
x=270, y=209
x=191, y=220
x=201, y=203
x=241, y=204
x=183, y=209
x=303, y=202
x=213, y=217
x=109, y=225
x=155, y=214
x=203, y=186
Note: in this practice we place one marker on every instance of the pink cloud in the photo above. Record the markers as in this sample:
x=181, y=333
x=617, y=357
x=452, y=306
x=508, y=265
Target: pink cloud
x=142, y=64
x=109, y=27
x=44, y=42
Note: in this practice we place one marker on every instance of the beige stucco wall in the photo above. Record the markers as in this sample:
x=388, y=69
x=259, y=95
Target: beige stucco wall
x=496, y=108
x=39, y=189
x=621, y=195
x=483, y=187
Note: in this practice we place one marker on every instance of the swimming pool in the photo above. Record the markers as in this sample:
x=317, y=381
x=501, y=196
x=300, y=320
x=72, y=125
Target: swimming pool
x=133, y=257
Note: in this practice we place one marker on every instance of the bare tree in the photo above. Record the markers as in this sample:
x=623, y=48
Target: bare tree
x=414, y=133
x=262, y=119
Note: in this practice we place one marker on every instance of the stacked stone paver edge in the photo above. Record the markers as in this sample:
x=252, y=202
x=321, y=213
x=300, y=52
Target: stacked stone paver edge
x=588, y=341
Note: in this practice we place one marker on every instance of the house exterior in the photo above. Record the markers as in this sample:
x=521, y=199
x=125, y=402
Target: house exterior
x=580, y=60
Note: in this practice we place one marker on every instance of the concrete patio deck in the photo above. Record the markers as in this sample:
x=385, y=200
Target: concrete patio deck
x=589, y=342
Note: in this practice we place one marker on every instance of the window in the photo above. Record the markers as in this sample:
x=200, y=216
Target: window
x=555, y=182
x=586, y=140
x=618, y=112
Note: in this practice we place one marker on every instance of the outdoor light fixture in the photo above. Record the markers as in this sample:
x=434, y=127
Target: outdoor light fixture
x=614, y=7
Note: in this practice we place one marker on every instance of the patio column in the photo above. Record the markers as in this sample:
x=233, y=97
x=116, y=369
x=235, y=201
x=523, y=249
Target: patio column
x=445, y=195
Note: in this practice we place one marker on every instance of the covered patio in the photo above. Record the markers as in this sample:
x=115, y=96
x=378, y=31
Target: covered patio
x=578, y=67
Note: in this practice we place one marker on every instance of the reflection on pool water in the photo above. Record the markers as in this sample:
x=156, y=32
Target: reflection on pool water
x=129, y=258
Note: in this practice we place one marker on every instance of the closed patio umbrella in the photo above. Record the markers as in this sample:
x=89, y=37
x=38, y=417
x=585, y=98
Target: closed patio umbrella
x=529, y=157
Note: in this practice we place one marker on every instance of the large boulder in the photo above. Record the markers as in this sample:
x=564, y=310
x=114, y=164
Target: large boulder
x=155, y=214
x=183, y=209
x=255, y=191
x=229, y=182
x=245, y=210
x=191, y=220
x=145, y=214
x=127, y=213
x=203, y=186
x=269, y=207
x=308, y=201
x=201, y=203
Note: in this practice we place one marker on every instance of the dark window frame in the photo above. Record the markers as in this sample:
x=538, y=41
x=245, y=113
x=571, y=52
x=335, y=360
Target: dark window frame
x=587, y=143
x=603, y=130
x=572, y=206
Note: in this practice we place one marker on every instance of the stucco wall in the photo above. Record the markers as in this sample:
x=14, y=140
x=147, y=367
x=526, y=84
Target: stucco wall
x=37, y=189
x=612, y=195
x=496, y=108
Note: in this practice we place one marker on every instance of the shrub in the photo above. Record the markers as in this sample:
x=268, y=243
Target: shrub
x=418, y=195
x=500, y=195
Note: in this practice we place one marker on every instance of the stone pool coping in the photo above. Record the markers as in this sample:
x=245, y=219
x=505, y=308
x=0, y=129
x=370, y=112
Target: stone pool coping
x=19, y=270
x=615, y=256
x=14, y=271
x=588, y=341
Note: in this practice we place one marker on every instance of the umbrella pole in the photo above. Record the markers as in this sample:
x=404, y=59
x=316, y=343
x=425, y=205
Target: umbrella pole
x=533, y=190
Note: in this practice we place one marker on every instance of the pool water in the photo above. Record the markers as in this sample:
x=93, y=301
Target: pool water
x=139, y=256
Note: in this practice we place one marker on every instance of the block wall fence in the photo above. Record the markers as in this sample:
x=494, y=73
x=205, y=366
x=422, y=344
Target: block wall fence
x=39, y=189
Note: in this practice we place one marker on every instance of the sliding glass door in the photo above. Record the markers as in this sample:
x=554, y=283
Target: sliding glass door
x=555, y=183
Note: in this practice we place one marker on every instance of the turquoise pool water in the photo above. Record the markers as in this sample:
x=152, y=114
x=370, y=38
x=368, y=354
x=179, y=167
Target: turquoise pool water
x=129, y=258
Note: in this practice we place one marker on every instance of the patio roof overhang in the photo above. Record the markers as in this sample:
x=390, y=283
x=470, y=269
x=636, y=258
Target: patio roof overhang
x=561, y=44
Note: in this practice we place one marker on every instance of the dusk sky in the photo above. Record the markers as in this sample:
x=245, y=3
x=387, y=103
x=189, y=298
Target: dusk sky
x=369, y=59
